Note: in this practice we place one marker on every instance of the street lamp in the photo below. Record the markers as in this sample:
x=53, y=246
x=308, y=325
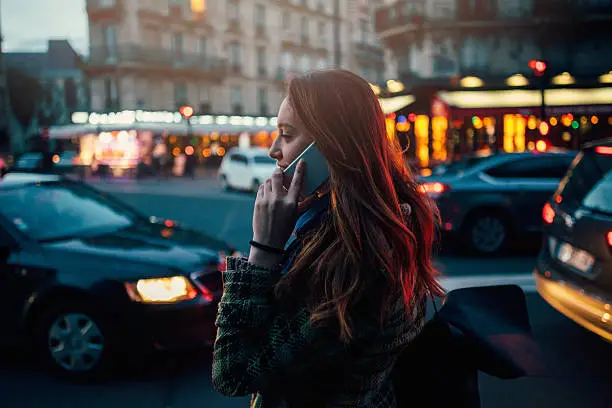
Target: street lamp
x=540, y=71
x=187, y=112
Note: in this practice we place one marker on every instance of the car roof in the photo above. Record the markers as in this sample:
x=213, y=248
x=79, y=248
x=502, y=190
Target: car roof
x=18, y=179
x=602, y=142
x=249, y=151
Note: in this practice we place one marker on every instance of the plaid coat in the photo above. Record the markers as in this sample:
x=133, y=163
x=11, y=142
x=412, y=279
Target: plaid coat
x=276, y=355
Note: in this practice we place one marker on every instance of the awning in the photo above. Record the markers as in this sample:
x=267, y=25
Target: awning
x=395, y=103
x=70, y=131
x=517, y=98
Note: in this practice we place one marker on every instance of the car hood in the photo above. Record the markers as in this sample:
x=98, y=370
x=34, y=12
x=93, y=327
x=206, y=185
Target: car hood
x=438, y=179
x=144, y=251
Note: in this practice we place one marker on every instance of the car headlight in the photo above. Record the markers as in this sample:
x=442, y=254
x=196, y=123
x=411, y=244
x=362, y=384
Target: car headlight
x=161, y=290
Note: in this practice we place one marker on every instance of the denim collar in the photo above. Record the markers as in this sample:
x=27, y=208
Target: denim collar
x=305, y=222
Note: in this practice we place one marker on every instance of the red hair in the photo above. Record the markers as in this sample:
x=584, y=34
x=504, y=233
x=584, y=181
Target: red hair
x=367, y=251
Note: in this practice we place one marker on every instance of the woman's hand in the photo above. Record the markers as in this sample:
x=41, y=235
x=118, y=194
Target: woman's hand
x=276, y=209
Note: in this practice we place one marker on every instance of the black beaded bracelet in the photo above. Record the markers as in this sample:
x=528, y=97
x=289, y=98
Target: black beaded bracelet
x=267, y=248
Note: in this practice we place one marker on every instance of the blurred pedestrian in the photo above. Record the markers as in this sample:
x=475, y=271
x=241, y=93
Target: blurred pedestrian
x=335, y=284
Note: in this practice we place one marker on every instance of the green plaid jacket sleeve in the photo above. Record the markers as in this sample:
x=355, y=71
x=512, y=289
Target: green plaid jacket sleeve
x=255, y=340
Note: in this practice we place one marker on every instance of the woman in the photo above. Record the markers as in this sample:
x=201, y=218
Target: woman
x=320, y=323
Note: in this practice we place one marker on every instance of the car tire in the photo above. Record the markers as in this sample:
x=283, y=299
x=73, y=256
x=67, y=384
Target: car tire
x=255, y=186
x=487, y=233
x=224, y=183
x=74, y=342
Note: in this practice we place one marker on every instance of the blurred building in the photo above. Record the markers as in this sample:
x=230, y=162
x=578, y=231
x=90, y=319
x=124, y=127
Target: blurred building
x=467, y=64
x=222, y=57
x=60, y=73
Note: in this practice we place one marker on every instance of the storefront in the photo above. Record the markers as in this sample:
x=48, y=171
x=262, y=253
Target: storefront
x=121, y=142
x=515, y=120
x=443, y=125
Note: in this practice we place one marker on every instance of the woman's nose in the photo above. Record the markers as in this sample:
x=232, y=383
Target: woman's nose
x=275, y=152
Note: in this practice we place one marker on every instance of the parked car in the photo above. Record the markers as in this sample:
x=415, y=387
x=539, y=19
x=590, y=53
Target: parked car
x=63, y=163
x=574, y=268
x=493, y=199
x=83, y=276
x=245, y=168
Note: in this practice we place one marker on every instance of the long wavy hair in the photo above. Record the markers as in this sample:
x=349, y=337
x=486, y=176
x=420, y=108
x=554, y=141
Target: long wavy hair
x=367, y=252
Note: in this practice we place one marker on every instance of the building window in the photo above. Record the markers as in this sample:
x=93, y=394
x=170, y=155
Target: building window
x=236, y=100
x=235, y=56
x=262, y=100
x=180, y=94
x=322, y=29
x=260, y=15
x=261, y=61
x=198, y=7
x=304, y=63
x=286, y=20
x=232, y=10
x=286, y=61
x=110, y=94
x=110, y=41
x=203, y=46
x=177, y=46
x=363, y=31
x=304, y=29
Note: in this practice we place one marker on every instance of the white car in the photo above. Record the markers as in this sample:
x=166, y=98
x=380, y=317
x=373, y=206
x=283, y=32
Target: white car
x=245, y=168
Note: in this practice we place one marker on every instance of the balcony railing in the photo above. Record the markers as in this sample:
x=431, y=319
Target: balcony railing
x=105, y=9
x=153, y=58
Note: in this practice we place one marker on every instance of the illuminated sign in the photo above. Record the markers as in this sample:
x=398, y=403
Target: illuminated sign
x=130, y=117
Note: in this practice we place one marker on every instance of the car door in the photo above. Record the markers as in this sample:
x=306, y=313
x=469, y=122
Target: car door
x=241, y=171
x=527, y=183
x=14, y=289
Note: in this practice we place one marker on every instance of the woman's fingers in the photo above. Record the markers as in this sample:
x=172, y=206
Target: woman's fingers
x=277, y=183
x=298, y=179
x=268, y=187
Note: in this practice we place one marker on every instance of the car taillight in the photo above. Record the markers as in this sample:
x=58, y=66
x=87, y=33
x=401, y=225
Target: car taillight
x=603, y=150
x=435, y=188
x=548, y=214
x=609, y=238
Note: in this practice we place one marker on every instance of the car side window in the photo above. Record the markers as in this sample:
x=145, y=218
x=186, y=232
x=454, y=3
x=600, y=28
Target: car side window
x=532, y=168
x=238, y=158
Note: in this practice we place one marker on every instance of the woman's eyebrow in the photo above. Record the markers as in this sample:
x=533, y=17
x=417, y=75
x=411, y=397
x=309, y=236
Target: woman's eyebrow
x=286, y=125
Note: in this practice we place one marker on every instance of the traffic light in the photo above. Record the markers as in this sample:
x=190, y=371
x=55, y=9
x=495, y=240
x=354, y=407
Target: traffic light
x=538, y=67
x=186, y=111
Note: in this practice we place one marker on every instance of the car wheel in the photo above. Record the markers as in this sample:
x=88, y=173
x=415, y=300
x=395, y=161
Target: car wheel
x=255, y=186
x=487, y=233
x=224, y=183
x=74, y=342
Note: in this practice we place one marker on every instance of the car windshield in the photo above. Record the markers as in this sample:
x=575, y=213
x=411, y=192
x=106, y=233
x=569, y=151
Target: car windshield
x=61, y=210
x=588, y=182
x=263, y=160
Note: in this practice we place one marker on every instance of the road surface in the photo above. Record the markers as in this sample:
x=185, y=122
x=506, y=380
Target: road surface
x=579, y=362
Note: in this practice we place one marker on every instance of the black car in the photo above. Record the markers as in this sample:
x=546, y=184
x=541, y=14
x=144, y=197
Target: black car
x=84, y=276
x=574, y=268
x=488, y=200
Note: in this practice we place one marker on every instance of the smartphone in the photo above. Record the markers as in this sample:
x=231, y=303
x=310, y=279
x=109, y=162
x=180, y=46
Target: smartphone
x=317, y=171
